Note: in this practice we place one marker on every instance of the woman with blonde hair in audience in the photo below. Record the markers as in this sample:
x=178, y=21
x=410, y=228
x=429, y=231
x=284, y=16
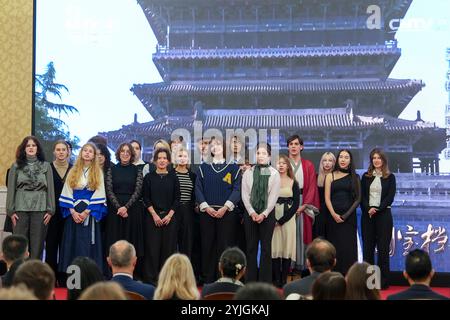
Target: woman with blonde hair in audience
x=359, y=280
x=104, y=291
x=176, y=280
x=326, y=165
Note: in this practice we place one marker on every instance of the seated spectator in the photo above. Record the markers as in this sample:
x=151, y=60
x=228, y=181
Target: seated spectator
x=103, y=291
x=90, y=273
x=358, y=282
x=176, y=280
x=418, y=272
x=122, y=260
x=38, y=277
x=232, y=268
x=20, y=292
x=14, y=252
x=329, y=286
x=257, y=291
x=320, y=258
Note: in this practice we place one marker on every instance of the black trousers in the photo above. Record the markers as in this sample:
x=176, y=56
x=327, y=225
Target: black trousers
x=255, y=233
x=216, y=236
x=185, y=223
x=159, y=244
x=53, y=243
x=377, y=232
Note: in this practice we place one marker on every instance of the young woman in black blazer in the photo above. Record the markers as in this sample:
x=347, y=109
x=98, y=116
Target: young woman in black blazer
x=378, y=188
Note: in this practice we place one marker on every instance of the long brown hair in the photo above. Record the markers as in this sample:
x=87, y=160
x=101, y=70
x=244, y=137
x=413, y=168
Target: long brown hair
x=384, y=168
x=357, y=288
x=21, y=155
x=95, y=174
x=290, y=172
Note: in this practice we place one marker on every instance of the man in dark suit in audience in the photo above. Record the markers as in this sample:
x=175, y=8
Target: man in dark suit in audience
x=320, y=258
x=122, y=260
x=418, y=272
x=14, y=253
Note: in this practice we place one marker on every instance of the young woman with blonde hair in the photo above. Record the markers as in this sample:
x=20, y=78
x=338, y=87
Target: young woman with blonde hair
x=326, y=165
x=176, y=280
x=83, y=199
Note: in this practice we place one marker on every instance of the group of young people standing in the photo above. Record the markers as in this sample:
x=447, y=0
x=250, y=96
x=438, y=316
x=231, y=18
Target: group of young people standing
x=271, y=209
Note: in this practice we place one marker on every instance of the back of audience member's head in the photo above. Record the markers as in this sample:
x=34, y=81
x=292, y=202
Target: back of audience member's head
x=89, y=274
x=122, y=254
x=177, y=280
x=8, y=278
x=257, y=291
x=329, y=286
x=232, y=263
x=14, y=247
x=105, y=290
x=19, y=292
x=321, y=255
x=357, y=283
x=38, y=277
x=418, y=266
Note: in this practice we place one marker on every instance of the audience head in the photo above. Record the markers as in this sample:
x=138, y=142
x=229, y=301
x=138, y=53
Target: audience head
x=122, y=255
x=103, y=291
x=19, y=292
x=418, y=267
x=89, y=274
x=14, y=247
x=176, y=280
x=232, y=263
x=257, y=291
x=329, y=286
x=38, y=277
x=357, y=283
x=320, y=255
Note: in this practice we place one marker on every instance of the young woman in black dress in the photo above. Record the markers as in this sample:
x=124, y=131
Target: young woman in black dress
x=342, y=197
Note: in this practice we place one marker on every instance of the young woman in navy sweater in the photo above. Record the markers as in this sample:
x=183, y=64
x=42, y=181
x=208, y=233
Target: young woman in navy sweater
x=217, y=190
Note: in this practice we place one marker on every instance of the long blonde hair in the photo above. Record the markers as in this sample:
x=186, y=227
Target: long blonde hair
x=321, y=176
x=95, y=173
x=177, y=279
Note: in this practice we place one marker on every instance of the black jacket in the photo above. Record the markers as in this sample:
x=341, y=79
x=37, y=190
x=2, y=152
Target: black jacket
x=388, y=189
x=417, y=292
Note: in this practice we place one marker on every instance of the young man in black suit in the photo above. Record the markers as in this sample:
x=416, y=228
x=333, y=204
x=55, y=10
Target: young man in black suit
x=418, y=272
x=122, y=260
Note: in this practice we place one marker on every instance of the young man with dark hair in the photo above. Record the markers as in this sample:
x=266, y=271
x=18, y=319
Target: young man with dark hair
x=14, y=252
x=305, y=175
x=320, y=258
x=418, y=272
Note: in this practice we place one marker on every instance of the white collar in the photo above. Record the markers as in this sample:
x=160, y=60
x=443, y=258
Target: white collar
x=229, y=280
x=123, y=274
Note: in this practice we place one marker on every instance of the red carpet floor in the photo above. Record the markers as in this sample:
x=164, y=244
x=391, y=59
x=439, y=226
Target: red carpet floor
x=61, y=293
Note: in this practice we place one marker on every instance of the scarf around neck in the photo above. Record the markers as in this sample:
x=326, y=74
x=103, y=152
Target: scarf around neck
x=259, y=194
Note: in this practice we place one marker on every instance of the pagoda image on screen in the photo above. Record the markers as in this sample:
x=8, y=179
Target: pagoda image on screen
x=317, y=68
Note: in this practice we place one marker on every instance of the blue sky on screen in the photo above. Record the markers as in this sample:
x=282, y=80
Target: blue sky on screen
x=100, y=48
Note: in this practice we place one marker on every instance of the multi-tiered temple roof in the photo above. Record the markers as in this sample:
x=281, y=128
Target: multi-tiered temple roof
x=319, y=68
